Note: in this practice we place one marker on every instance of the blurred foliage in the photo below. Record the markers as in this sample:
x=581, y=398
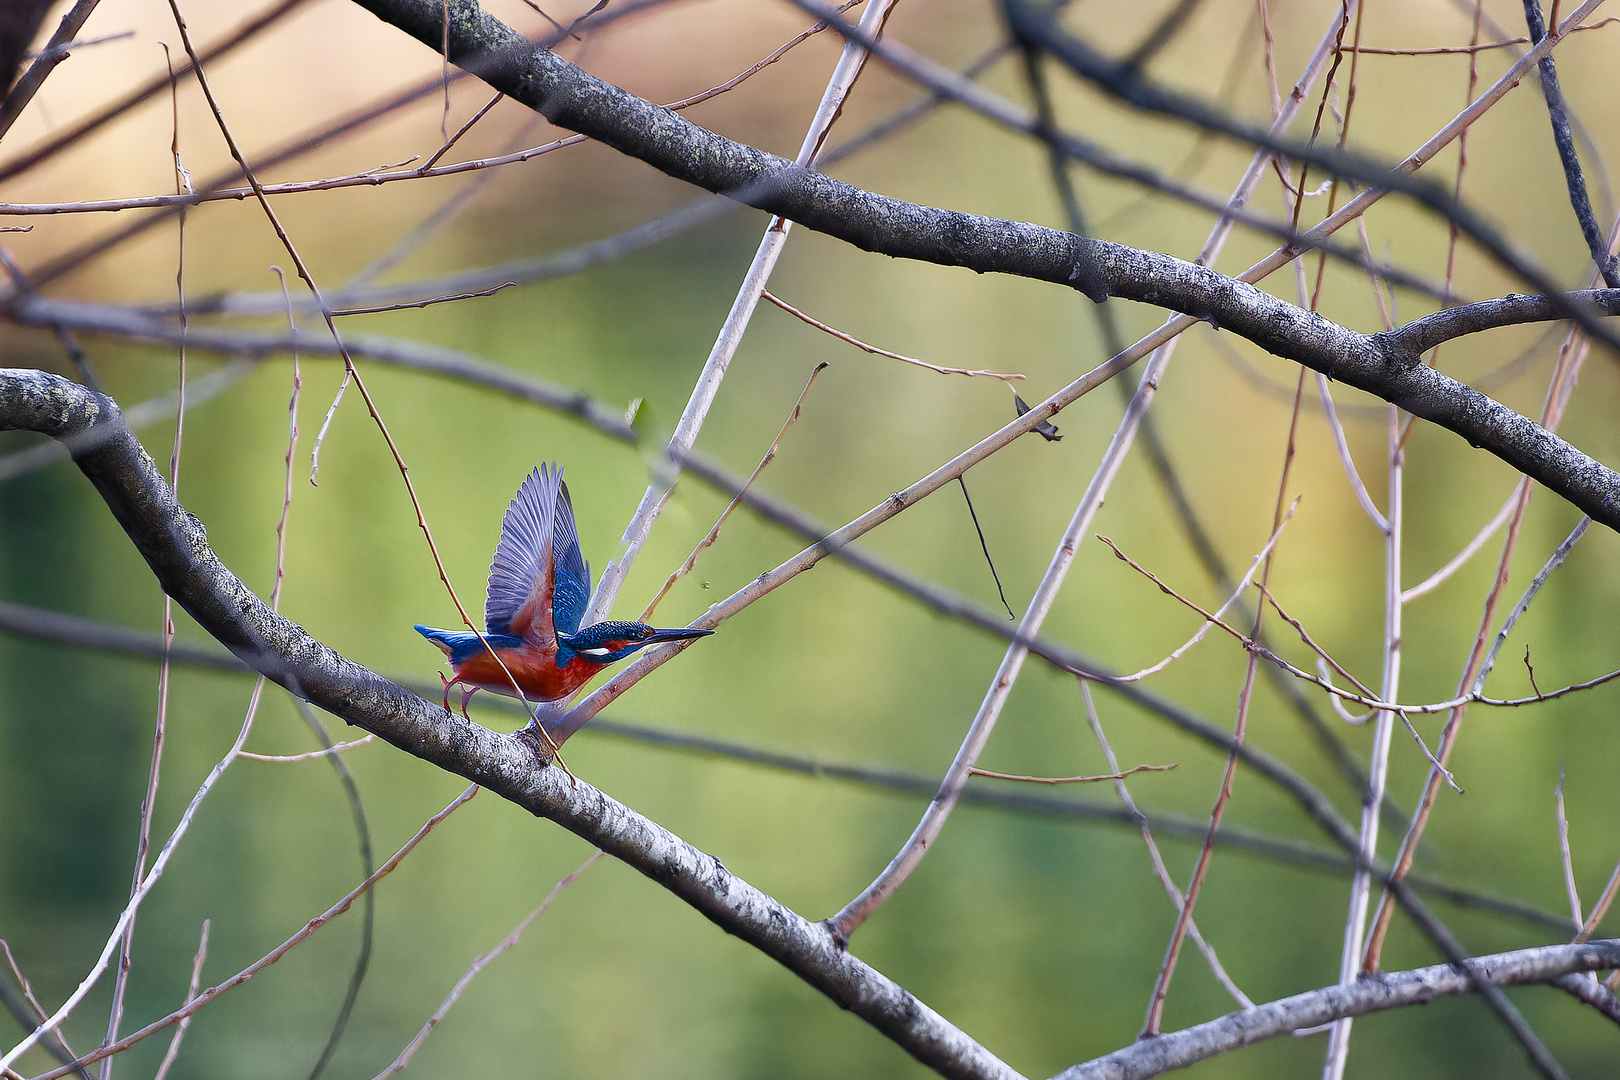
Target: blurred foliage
x=1040, y=937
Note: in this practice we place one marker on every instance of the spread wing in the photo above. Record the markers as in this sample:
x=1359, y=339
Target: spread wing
x=573, y=578
x=519, y=599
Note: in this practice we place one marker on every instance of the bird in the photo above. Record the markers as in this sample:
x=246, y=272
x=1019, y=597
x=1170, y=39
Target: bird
x=539, y=586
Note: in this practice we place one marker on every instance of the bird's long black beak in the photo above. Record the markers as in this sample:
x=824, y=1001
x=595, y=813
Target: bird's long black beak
x=674, y=635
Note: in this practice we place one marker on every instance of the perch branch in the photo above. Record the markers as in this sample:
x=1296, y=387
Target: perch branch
x=175, y=546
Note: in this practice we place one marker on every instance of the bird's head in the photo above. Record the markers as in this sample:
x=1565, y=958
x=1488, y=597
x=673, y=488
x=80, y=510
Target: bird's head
x=606, y=642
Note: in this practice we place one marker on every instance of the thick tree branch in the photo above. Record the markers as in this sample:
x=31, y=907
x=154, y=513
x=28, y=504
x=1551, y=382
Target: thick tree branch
x=175, y=546
x=1380, y=365
x=1150, y=1057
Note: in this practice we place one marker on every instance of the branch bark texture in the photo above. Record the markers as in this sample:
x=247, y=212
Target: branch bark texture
x=1386, y=365
x=1374, y=993
x=175, y=546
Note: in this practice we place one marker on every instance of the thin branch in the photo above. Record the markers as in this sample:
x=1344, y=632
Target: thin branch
x=1037, y=22
x=694, y=214
x=371, y=177
x=873, y=349
x=1160, y=870
x=513, y=766
x=30, y=1014
x=1184, y=918
x=1360, y=489
x=851, y=61
x=156, y=85
x=1574, y=179
x=1372, y=993
x=350, y=371
x=23, y=90
x=1068, y=779
x=1486, y=46
x=1601, y=908
x=335, y=748
x=714, y=533
x=429, y=302
x=1366, y=700
x=1469, y=550
x=1554, y=561
x=984, y=545
x=547, y=82
x=1237, y=591
x=479, y=965
x=213, y=992
x=191, y=995
x=1575, y=912
x=1571, y=356
x=126, y=917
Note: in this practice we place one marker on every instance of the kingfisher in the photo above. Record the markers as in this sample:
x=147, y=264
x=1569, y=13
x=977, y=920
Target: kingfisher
x=539, y=586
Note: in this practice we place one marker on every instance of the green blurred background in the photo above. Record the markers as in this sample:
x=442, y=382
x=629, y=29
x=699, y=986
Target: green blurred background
x=1039, y=935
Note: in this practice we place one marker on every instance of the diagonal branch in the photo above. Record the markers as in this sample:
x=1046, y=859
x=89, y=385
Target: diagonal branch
x=1150, y=1057
x=175, y=546
x=571, y=98
x=1564, y=139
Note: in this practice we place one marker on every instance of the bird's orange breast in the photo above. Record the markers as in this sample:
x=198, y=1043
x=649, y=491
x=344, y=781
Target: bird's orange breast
x=535, y=670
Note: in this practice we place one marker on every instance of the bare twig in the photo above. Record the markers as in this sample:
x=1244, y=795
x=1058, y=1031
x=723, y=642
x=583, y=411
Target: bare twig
x=1606, y=263
x=335, y=748
x=154, y=86
x=128, y=914
x=350, y=372
x=850, y=63
x=28, y=1012
x=1575, y=912
x=269, y=958
x=430, y=301
x=1237, y=591
x=1601, y=908
x=714, y=533
x=191, y=995
x=873, y=349
x=1554, y=561
x=984, y=545
x=1469, y=550
x=1172, y=953
x=1068, y=779
x=1160, y=870
x=479, y=965
x=23, y=91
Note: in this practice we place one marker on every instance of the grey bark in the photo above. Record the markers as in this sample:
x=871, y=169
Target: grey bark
x=175, y=546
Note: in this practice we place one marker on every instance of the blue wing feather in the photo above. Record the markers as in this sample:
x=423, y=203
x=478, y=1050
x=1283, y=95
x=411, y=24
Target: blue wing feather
x=573, y=586
x=525, y=546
